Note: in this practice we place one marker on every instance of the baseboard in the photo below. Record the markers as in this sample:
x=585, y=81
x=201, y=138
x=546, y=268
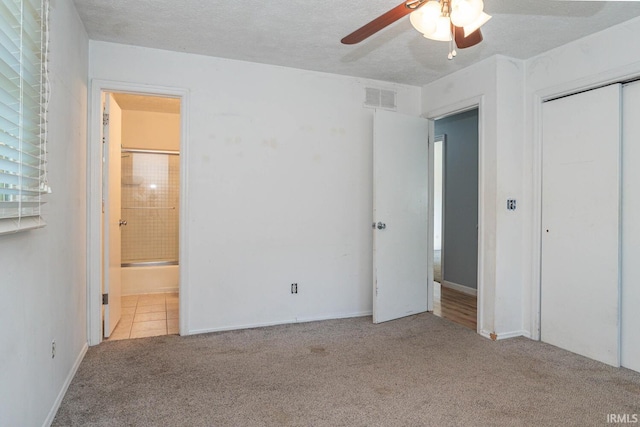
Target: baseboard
x=333, y=317
x=460, y=288
x=72, y=373
x=280, y=322
x=504, y=335
x=239, y=327
x=514, y=334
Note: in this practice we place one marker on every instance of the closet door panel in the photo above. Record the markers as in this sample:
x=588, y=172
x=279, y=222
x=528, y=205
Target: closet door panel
x=580, y=224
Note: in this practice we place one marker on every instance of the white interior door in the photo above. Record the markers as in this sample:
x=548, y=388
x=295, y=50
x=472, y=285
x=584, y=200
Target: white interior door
x=111, y=206
x=401, y=269
x=580, y=224
x=630, y=291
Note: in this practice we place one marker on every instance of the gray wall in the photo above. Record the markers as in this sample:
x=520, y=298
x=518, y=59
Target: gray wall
x=460, y=255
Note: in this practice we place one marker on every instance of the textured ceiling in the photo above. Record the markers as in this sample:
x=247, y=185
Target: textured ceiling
x=306, y=34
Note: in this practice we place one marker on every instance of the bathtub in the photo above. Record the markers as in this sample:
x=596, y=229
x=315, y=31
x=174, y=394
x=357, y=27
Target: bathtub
x=149, y=278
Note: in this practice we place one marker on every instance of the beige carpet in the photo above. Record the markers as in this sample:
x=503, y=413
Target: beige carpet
x=417, y=371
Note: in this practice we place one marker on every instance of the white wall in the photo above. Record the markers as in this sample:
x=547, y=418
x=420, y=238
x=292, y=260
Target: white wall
x=42, y=286
x=496, y=85
x=149, y=130
x=279, y=190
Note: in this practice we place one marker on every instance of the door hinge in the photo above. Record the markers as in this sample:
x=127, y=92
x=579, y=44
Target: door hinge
x=105, y=299
x=105, y=119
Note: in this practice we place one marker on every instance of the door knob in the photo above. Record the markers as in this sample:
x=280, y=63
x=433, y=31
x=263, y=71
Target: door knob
x=122, y=222
x=381, y=225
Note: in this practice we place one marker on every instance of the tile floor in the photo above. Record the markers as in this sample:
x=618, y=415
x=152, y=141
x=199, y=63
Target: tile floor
x=147, y=315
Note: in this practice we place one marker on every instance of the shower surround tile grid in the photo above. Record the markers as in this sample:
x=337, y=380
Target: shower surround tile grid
x=147, y=315
x=150, y=199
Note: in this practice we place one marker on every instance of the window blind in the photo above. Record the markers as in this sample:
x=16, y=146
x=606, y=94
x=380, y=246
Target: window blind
x=23, y=107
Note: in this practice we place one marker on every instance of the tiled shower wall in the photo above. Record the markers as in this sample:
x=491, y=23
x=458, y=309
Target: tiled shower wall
x=150, y=205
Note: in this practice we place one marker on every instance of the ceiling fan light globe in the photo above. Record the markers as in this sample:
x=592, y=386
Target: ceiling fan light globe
x=464, y=12
x=482, y=19
x=425, y=18
x=420, y=24
x=442, y=32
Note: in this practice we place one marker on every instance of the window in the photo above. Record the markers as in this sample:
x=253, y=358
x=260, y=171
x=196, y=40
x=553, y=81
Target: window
x=23, y=106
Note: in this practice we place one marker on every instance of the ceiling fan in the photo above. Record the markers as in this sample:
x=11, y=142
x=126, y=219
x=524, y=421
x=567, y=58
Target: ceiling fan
x=455, y=21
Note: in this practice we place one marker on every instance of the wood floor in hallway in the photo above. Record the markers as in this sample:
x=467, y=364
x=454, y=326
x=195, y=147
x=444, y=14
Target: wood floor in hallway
x=455, y=306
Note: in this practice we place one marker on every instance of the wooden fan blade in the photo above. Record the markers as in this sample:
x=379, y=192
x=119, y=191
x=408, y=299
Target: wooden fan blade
x=377, y=24
x=471, y=40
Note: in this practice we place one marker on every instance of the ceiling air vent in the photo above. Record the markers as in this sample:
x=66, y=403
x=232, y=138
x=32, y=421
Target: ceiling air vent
x=380, y=98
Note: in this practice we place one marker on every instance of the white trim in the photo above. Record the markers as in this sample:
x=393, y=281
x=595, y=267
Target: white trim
x=482, y=249
x=455, y=108
x=442, y=139
x=65, y=386
x=459, y=107
x=619, y=75
x=536, y=238
x=94, y=197
x=281, y=322
x=334, y=316
x=505, y=335
x=239, y=327
x=460, y=288
x=430, y=215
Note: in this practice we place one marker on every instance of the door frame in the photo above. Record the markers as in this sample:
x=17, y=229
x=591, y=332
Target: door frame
x=442, y=139
x=94, y=198
x=450, y=110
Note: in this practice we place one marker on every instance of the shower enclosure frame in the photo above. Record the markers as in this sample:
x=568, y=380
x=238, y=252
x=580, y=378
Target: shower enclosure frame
x=94, y=199
x=155, y=262
x=153, y=272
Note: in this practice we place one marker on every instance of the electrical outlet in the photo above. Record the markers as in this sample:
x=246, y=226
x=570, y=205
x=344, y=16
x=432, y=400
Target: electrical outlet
x=294, y=288
x=511, y=204
x=53, y=349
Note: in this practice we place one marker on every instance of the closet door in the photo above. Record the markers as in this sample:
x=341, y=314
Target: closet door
x=580, y=224
x=630, y=297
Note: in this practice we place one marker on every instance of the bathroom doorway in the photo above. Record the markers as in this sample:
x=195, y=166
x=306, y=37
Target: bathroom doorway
x=141, y=179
